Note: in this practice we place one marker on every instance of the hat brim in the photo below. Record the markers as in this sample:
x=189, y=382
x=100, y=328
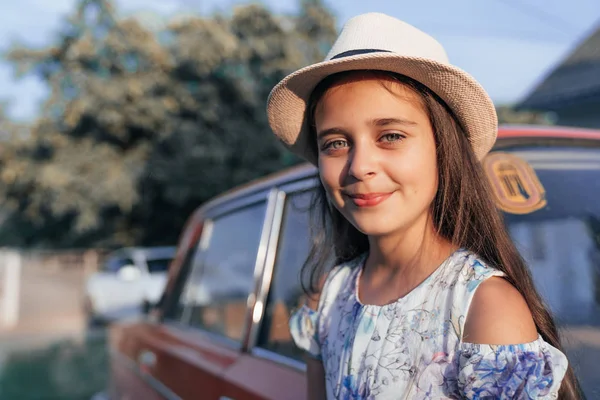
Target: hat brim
x=475, y=111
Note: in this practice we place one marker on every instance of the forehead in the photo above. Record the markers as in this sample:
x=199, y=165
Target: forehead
x=370, y=91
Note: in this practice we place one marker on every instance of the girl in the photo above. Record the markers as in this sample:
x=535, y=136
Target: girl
x=430, y=298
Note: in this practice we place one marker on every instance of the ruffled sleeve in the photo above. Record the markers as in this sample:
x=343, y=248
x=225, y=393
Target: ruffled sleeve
x=303, y=327
x=525, y=371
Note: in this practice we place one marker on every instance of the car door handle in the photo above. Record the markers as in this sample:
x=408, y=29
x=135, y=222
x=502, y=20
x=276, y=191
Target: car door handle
x=225, y=398
x=147, y=358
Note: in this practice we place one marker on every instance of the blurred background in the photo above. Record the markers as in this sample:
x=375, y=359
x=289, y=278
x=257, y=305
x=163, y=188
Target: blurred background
x=118, y=118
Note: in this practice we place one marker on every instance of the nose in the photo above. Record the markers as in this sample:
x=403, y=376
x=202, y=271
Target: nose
x=362, y=163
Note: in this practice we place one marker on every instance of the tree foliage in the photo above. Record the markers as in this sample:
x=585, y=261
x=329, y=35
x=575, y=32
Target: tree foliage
x=144, y=124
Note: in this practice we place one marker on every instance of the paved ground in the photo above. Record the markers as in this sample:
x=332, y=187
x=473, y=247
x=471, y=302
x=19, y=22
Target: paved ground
x=49, y=355
x=46, y=366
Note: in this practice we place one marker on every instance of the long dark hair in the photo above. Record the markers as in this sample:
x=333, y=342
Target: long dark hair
x=463, y=213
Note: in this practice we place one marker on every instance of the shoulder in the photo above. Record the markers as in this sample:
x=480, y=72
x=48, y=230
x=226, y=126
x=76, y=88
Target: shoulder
x=342, y=274
x=499, y=314
x=473, y=271
x=339, y=279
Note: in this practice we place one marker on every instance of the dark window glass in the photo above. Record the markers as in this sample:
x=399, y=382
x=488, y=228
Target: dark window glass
x=216, y=294
x=286, y=292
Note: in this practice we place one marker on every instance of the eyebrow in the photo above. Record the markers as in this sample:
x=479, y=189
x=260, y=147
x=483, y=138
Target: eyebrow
x=375, y=122
x=392, y=121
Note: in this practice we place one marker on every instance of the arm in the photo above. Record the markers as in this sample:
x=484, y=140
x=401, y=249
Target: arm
x=315, y=375
x=499, y=315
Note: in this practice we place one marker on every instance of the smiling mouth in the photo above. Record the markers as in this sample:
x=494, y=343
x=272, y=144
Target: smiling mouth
x=368, y=199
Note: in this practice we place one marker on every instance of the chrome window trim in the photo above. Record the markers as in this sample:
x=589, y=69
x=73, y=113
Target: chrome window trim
x=286, y=191
x=263, y=280
x=153, y=382
x=259, y=265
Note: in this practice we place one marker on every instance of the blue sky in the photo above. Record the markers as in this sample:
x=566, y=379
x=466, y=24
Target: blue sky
x=508, y=45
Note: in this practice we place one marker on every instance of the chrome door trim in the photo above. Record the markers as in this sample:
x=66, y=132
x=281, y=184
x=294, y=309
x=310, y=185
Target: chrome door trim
x=212, y=336
x=154, y=383
x=264, y=276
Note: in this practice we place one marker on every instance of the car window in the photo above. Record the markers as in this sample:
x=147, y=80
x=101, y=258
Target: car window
x=222, y=277
x=561, y=245
x=158, y=264
x=561, y=241
x=114, y=264
x=174, y=302
x=286, y=293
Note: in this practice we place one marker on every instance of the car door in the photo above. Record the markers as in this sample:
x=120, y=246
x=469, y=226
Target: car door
x=205, y=323
x=273, y=366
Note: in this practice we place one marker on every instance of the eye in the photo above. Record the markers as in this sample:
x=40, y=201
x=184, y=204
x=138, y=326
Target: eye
x=334, y=144
x=391, y=137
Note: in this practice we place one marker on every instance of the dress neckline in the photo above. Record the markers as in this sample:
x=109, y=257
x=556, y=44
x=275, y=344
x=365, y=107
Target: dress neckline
x=429, y=278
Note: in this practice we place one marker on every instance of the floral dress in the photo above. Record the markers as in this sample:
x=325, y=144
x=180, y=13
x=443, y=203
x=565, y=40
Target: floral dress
x=413, y=348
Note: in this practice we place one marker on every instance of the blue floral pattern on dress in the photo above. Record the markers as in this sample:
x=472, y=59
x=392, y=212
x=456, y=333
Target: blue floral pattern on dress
x=413, y=348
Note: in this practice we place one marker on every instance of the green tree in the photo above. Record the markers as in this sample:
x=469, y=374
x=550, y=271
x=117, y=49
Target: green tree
x=144, y=125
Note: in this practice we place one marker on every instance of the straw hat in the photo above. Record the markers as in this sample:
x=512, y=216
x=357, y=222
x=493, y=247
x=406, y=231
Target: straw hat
x=377, y=41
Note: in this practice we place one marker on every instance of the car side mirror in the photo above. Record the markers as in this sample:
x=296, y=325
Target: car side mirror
x=129, y=273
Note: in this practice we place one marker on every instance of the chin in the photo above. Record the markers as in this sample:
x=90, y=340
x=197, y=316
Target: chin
x=371, y=226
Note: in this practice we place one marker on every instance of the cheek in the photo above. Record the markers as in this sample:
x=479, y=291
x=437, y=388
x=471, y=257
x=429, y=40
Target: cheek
x=417, y=172
x=427, y=176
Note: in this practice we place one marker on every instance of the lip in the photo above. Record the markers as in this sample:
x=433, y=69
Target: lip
x=368, y=199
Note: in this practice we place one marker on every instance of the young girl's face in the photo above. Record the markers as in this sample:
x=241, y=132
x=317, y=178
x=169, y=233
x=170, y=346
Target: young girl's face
x=377, y=154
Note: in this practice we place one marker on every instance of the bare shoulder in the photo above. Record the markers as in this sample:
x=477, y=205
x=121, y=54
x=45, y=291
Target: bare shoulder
x=499, y=315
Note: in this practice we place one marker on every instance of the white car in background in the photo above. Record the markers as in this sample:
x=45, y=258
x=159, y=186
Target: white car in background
x=130, y=280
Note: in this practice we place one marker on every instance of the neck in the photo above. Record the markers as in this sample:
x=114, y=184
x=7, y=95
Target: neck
x=415, y=249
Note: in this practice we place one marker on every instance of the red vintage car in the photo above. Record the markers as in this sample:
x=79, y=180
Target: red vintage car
x=221, y=328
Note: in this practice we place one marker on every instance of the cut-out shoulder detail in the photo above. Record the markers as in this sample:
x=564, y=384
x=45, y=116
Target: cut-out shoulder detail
x=499, y=315
x=523, y=371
